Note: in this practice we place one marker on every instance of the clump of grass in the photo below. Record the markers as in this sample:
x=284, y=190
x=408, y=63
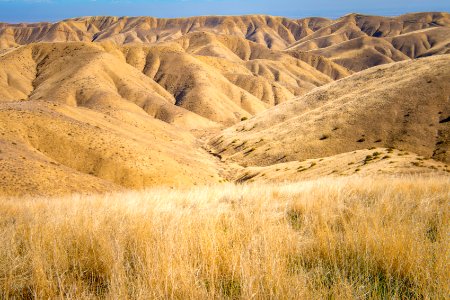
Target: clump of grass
x=367, y=159
x=301, y=168
x=329, y=238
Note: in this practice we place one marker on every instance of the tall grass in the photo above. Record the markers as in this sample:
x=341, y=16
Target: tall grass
x=330, y=238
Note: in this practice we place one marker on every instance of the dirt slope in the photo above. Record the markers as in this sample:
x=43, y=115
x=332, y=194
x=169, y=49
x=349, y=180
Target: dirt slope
x=402, y=105
x=365, y=162
x=171, y=82
x=273, y=32
x=50, y=148
x=359, y=42
x=353, y=42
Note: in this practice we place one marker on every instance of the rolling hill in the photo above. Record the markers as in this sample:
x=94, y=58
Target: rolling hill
x=359, y=42
x=99, y=104
x=376, y=39
x=402, y=105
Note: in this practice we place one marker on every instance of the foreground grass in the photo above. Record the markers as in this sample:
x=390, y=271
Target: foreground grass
x=339, y=238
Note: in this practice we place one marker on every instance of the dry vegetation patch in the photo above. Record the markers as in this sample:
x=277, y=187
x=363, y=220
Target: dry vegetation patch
x=340, y=238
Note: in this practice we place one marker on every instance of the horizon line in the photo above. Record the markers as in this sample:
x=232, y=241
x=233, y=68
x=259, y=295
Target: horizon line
x=224, y=15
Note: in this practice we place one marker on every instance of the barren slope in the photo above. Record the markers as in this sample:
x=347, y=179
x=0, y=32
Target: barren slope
x=88, y=75
x=77, y=117
x=366, y=162
x=178, y=79
x=359, y=42
x=403, y=105
x=83, y=117
x=50, y=148
x=354, y=41
x=273, y=32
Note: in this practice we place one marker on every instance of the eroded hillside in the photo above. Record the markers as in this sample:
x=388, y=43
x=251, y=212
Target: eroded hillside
x=403, y=105
x=103, y=103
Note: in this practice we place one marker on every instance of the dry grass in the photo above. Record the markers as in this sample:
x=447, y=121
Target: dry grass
x=340, y=238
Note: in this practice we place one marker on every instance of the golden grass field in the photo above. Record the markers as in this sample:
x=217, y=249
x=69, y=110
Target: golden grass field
x=342, y=238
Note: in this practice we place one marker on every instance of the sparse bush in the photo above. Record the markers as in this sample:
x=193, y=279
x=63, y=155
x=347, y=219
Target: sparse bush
x=367, y=159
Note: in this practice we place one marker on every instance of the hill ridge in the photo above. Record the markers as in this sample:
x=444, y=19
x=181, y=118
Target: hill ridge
x=272, y=31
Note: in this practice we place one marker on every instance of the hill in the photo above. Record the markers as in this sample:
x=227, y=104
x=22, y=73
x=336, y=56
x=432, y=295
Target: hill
x=105, y=76
x=402, y=105
x=372, y=40
x=273, y=32
x=101, y=104
x=359, y=42
x=49, y=148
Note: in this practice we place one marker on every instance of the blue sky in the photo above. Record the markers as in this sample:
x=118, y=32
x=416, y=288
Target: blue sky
x=53, y=10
